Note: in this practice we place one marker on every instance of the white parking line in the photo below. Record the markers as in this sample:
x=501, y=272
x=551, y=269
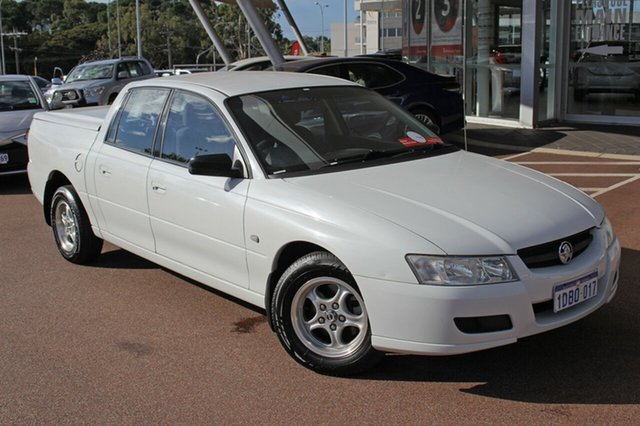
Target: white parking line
x=595, y=174
x=578, y=163
x=617, y=185
x=593, y=191
x=511, y=157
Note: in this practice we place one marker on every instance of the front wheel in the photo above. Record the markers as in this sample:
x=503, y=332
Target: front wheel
x=320, y=317
x=71, y=228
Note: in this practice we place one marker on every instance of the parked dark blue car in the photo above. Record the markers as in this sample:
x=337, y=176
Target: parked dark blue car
x=432, y=98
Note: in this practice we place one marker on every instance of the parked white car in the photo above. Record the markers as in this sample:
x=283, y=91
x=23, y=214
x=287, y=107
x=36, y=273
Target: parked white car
x=346, y=219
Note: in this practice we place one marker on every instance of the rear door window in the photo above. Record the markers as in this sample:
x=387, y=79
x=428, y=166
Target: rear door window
x=134, y=128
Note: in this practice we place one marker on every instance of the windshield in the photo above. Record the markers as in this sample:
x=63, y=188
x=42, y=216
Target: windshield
x=17, y=95
x=90, y=72
x=312, y=129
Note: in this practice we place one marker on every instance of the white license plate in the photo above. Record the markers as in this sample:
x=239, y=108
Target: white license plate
x=4, y=158
x=571, y=293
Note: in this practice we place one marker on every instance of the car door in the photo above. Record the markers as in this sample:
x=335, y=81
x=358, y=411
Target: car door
x=122, y=165
x=198, y=220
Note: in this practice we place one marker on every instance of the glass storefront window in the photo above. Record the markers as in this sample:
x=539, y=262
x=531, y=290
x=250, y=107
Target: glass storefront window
x=548, y=83
x=604, y=61
x=433, y=34
x=493, y=60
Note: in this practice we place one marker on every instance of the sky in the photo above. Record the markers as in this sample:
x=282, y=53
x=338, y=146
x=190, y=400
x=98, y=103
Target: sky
x=307, y=15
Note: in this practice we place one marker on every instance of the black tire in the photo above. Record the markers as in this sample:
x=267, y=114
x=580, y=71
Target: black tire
x=74, y=238
x=428, y=118
x=336, y=315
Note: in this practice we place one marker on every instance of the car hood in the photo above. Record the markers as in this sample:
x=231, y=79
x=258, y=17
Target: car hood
x=463, y=203
x=13, y=123
x=82, y=84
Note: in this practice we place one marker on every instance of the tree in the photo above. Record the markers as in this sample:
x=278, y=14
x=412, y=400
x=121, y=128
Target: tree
x=64, y=32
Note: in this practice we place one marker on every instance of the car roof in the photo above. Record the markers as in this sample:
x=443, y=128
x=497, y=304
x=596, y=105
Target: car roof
x=257, y=59
x=14, y=77
x=240, y=83
x=303, y=64
x=245, y=63
x=112, y=61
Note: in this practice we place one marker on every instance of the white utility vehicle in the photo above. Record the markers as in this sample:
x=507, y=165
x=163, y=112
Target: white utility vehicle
x=347, y=220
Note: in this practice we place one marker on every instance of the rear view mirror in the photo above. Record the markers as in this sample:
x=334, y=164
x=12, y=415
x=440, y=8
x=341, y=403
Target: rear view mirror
x=122, y=75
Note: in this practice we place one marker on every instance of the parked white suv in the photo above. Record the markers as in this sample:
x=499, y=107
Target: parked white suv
x=99, y=82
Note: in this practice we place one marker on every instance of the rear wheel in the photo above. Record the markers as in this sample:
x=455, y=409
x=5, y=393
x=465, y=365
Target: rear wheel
x=320, y=317
x=71, y=228
x=428, y=117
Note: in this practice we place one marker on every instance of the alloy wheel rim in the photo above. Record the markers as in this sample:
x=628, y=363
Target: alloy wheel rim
x=329, y=317
x=426, y=120
x=66, y=227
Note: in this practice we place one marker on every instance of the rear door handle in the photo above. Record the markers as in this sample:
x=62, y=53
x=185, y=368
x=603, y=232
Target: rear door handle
x=104, y=171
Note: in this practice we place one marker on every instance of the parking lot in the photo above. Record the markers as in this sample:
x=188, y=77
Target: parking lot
x=125, y=341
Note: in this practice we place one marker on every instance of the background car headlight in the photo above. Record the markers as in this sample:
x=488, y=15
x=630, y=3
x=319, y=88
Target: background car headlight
x=438, y=270
x=608, y=231
x=93, y=91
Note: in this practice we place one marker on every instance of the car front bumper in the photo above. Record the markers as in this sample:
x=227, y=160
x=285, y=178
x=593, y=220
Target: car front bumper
x=426, y=319
x=13, y=158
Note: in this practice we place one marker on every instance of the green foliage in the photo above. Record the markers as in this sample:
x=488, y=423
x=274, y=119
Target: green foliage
x=65, y=32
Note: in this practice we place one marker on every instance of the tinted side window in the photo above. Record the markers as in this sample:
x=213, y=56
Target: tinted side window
x=194, y=127
x=330, y=70
x=144, y=67
x=373, y=76
x=122, y=67
x=139, y=118
x=134, y=69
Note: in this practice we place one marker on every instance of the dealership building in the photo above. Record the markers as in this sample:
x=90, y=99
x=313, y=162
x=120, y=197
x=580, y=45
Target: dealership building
x=521, y=63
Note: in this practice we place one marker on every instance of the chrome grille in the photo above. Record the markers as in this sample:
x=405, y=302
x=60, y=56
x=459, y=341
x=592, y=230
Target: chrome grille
x=546, y=254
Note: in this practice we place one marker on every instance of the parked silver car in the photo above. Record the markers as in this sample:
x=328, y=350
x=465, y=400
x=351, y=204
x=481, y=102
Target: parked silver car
x=606, y=67
x=20, y=99
x=99, y=82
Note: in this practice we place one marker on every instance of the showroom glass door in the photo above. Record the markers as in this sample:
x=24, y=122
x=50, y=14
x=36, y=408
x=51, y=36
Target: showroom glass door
x=493, y=58
x=604, y=61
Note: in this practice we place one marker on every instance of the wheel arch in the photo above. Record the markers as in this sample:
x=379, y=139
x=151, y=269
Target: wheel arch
x=424, y=106
x=288, y=254
x=56, y=180
x=112, y=97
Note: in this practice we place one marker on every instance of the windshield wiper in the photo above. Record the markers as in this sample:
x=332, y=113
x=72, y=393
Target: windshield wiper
x=371, y=154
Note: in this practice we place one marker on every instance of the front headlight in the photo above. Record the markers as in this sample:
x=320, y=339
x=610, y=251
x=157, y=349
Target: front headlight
x=93, y=91
x=608, y=231
x=437, y=270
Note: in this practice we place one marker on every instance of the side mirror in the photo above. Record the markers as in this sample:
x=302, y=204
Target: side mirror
x=213, y=165
x=56, y=81
x=123, y=75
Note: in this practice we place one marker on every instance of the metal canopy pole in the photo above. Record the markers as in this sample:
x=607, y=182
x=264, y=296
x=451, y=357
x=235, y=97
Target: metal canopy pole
x=211, y=32
x=294, y=26
x=255, y=21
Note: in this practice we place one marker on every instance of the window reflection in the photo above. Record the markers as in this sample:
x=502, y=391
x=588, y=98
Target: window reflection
x=604, y=71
